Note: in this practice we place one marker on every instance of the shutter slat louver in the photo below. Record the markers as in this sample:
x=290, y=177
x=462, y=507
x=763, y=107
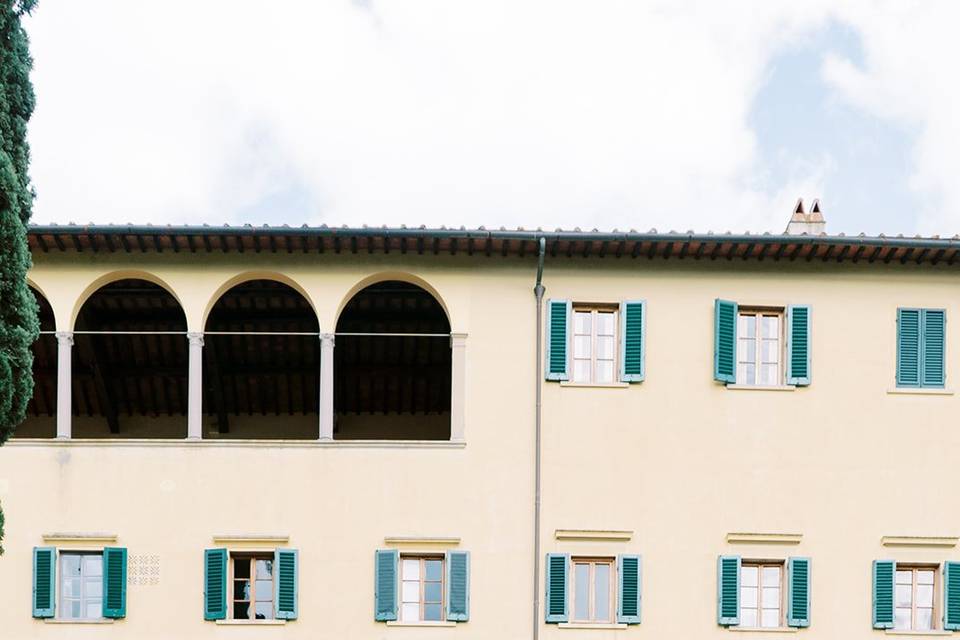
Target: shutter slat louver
x=632, y=346
x=114, y=582
x=883, y=577
x=951, y=596
x=556, y=593
x=385, y=594
x=725, y=341
x=798, y=345
x=932, y=366
x=285, y=596
x=908, y=347
x=458, y=586
x=44, y=581
x=630, y=583
x=798, y=596
x=728, y=590
x=214, y=584
x=558, y=320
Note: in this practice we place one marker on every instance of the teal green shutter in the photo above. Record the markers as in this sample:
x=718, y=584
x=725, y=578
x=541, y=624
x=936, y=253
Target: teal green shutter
x=44, y=581
x=385, y=584
x=458, y=586
x=932, y=349
x=884, y=572
x=556, y=593
x=558, y=325
x=908, y=347
x=951, y=596
x=214, y=584
x=798, y=345
x=633, y=348
x=798, y=592
x=114, y=582
x=725, y=341
x=286, y=585
x=630, y=582
x=728, y=590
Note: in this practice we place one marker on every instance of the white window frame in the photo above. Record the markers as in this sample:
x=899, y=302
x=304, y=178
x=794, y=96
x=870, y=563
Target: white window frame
x=422, y=558
x=595, y=309
x=913, y=568
x=61, y=585
x=251, y=556
x=593, y=561
x=758, y=313
x=780, y=565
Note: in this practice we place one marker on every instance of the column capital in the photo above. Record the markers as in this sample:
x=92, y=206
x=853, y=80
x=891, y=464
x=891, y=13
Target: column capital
x=327, y=339
x=195, y=338
x=65, y=338
x=458, y=339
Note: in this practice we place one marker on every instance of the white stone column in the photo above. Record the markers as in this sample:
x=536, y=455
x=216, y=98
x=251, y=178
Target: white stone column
x=64, y=381
x=326, y=386
x=458, y=387
x=195, y=387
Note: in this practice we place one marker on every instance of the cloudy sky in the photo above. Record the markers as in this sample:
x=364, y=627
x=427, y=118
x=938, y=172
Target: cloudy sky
x=606, y=114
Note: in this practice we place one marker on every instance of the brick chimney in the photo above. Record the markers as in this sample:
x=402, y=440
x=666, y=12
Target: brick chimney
x=806, y=223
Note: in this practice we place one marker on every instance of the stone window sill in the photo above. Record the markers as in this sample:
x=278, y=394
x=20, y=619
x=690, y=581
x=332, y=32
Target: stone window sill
x=758, y=387
x=938, y=632
x=64, y=621
x=764, y=629
x=919, y=391
x=420, y=625
x=588, y=625
x=251, y=623
x=592, y=385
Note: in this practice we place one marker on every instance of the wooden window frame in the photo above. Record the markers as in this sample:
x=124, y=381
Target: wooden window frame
x=421, y=595
x=251, y=557
x=60, y=598
x=758, y=312
x=593, y=561
x=594, y=309
x=781, y=606
x=914, y=567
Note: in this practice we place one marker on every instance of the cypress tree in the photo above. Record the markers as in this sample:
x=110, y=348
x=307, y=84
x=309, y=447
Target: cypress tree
x=19, y=325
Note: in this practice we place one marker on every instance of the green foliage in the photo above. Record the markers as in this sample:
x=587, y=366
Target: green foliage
x=19, y=325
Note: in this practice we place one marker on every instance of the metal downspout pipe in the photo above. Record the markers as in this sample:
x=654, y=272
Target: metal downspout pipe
x=538, y=290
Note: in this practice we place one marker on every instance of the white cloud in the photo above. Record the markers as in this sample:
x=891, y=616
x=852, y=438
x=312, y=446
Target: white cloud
x=606, y=114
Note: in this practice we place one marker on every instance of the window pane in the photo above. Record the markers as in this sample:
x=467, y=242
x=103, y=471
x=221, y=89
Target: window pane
x=770, y=618
x=925, y=595
x=748, y=597
x=264, y=589
x=771, y=597
x=241, y=568
x=904, y=577
x=902, y=620
x=924, y=619
x=75, y=609
x=747, y=350
x=748, y=617
x=94, y=609
x=601, y=594
x=768, y=374
x=431, y=612
x=581, y=346
x=605, y=347
x=92, y=587
x=605, y=323
x=925, y=577
x=71, y=587
x=749, y=373
x=241, y=610
x=581, y=371
x=70, y=564
x=581, y=609
x=410, y=612
x=770, y=350
x=410, y=591
x=431, y=592
x=771, y=576
x=771, y=327
x=748, y=326
x=748, y=576
x=904, y=595
x=604, y=371
x=264, y=569
x=264, y=611
x=241, y=589
x=434, y=569
x=93, y=565
x=581, y=322
x=411, y=569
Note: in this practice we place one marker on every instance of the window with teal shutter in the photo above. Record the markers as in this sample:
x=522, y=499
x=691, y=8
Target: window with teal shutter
x=728, y=590
x=884, y=573
x=44, y=581
x=556, y=592
x=920, y=347
x=798, y=345
x=725, y=341
x=114, y=582
x=214, y=584
x=951, y=596
x=630, y=583
x=458, y=586
x=558, y=326
x=798, y=592
x=385, y=584
x=633, y=321
x=285, y=583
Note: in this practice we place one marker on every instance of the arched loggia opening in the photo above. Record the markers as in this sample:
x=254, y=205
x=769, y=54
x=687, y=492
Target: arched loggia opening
x=41, y=420
x=130, y=363
x=261, y=364
x=392, y=365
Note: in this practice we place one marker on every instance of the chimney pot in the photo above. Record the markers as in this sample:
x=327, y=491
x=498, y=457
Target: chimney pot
x=801, y=222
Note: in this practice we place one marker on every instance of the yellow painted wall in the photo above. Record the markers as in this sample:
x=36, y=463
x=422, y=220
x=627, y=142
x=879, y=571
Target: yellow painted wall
x=679, y=460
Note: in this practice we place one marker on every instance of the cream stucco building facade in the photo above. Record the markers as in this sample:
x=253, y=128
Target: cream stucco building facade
x=676, y=468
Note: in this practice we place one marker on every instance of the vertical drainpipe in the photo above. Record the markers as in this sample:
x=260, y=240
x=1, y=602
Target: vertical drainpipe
x=538, y=290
